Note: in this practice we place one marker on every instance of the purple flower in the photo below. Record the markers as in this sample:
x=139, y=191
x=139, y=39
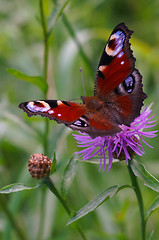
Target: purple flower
x=123, y=145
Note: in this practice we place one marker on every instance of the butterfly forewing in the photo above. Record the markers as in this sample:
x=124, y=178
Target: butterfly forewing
x=60, y=111
x=116, y=63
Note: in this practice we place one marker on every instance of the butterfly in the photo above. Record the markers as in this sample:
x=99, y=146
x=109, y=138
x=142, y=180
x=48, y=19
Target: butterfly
x=118, y=93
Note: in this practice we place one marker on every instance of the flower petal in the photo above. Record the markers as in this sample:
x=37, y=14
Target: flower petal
x=128, y=139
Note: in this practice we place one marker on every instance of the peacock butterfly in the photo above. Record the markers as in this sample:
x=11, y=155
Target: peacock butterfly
x=118, y=94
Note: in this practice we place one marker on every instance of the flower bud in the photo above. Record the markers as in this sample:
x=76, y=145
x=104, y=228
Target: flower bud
x=39, y=165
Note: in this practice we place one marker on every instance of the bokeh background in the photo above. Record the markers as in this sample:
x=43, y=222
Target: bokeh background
x=21, y=47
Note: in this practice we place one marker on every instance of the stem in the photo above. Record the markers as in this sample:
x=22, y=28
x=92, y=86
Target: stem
x=45, y=143
x=140, y=201
x=45, y=69
x=52, y=188
x=19, y=231
x=45, y=35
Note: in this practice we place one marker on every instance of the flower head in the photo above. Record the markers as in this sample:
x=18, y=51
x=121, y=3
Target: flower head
x=39, y=165
x=122, y=145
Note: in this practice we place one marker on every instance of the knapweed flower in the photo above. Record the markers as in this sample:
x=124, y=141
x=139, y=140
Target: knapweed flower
x=122, y=145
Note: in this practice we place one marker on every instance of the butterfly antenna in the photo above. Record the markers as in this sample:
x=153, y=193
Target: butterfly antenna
x=82, y=81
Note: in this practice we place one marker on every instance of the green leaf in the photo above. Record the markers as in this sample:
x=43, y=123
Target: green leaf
x=95, y=160
x=140, y=171
x=53, y=165
x=52, y=15
x=68, y=176
x=152, y=208
x=96, y=202
x=16, y=187
x=55, y=15
x=36, y=80
x=151, y=235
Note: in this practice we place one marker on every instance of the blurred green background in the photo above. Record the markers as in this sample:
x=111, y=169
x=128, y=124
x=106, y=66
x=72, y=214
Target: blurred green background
x=21, y=47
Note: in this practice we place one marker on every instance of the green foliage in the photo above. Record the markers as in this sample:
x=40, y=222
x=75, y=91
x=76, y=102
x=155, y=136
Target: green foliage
x=68, y=176
x=38, y=81
x=16, y=188
x=96, y=202
x=53, y=165
x=141, y=172
x=152, y=208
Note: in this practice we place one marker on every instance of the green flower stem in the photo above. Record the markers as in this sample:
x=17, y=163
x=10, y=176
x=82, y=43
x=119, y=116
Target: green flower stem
x=140, y=201
x=45, y=35
x=45, y=68
x=52, y=188
x=19, y=231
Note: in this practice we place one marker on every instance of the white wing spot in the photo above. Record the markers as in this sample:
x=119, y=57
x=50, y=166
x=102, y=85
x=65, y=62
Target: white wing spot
x=51, y=111
x=122, y=62
x=102, y=67
x=120, y=54
x=59, y=114
x=59, y=102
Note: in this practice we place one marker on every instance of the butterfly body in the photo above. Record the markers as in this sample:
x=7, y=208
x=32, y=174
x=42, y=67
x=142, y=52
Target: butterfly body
x=118, y=94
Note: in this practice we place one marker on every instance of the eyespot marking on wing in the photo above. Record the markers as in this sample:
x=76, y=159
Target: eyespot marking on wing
x=115, y=43
x=129, y=84
x=38, y=106
x=81, y=122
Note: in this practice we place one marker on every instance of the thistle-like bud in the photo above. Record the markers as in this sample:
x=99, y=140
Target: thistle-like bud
x=39, y=165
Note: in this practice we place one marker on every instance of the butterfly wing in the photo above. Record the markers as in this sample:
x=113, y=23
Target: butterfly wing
x=116, y=63
x=118, y=93
x=74, y=115
x=60, y=111
x=118, y=83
